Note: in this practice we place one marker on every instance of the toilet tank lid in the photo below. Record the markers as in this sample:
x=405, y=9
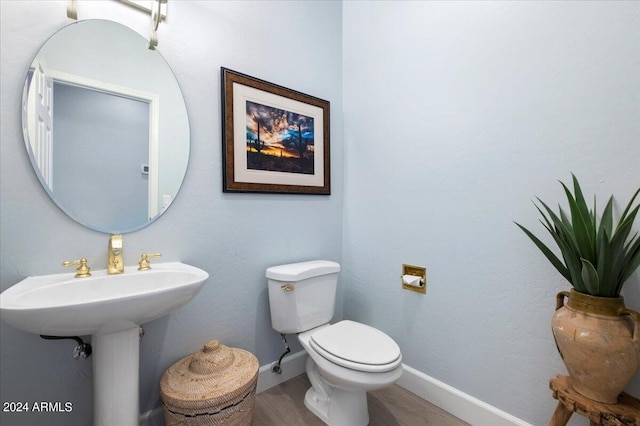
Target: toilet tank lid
x=302, y=270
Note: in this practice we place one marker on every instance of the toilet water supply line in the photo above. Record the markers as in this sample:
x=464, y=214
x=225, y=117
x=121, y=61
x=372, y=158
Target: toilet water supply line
x=276, y=366
x=83, y=350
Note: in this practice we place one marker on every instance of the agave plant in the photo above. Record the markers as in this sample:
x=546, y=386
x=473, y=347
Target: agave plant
x=596, y=258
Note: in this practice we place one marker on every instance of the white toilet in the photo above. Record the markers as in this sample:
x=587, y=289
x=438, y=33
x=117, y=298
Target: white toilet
x=346, y=359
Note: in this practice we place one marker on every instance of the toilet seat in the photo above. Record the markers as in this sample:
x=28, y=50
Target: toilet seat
x=357, y=346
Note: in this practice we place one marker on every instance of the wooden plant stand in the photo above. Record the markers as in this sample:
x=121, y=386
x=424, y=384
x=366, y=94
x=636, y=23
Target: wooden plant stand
x=625, y=413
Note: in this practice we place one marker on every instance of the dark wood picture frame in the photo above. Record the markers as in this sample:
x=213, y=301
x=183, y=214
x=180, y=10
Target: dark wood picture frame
x=274, y=139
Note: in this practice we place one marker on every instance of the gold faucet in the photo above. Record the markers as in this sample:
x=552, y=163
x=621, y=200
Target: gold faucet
x=116, y=262
x=144, y=263
x=83, y=270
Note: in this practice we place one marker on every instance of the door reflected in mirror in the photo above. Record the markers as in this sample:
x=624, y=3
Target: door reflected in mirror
x=106, y=126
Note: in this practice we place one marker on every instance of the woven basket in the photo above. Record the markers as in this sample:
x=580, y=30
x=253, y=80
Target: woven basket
x=215, y=386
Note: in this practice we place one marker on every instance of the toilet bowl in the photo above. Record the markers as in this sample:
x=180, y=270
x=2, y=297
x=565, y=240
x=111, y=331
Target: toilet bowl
x=346, y=359
x=341, y=379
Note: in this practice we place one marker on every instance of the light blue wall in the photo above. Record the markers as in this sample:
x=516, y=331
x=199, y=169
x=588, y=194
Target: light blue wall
x=456, y=115
x=234, y=237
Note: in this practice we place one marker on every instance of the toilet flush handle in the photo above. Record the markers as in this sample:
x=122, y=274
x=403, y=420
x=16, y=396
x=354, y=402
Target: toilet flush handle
x=287, y=287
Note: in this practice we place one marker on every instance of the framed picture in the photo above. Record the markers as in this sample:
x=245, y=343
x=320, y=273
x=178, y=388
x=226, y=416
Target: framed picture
x=274, y=139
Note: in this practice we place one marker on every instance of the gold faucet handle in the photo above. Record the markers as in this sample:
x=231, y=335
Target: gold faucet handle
x=83, y=270
x=144, y=263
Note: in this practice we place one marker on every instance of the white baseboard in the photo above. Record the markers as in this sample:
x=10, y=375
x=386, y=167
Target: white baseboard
x=291, y=366
x=463, y=406
x=153, y=417
x=450, y=399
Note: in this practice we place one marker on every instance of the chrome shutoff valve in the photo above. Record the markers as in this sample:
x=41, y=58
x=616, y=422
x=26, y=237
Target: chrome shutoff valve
x=82, y=351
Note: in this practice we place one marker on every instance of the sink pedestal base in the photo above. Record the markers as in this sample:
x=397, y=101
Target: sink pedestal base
x=115, y=378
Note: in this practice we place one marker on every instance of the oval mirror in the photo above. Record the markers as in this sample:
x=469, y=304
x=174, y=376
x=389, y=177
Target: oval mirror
x=106, y=126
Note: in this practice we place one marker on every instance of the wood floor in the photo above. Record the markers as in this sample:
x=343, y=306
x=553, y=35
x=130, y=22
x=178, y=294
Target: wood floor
x=283, y=405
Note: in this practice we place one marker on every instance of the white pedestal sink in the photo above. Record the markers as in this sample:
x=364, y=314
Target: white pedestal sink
x=111, y=308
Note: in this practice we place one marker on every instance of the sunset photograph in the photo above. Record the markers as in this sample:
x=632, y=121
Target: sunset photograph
x=279, y=140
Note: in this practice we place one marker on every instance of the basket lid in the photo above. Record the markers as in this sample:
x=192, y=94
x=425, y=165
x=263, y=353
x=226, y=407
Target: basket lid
x=209, y=380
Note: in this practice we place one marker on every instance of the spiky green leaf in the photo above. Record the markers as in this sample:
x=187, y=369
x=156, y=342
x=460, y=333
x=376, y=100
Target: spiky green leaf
x=590, y=277
x=581, y=222
x=632, y=260
x=548, y=253
x=603, y=248
x=606, y=221
x=579, y=197
x=626, y=210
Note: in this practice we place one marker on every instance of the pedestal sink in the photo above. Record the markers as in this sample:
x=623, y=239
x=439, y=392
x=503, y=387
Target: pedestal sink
x=110, y=308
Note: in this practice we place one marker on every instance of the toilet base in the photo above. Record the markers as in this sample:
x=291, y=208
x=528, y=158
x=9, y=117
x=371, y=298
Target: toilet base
x=341, y=408
x=338, y=395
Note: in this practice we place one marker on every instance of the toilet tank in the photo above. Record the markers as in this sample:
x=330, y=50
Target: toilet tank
x=302, y=295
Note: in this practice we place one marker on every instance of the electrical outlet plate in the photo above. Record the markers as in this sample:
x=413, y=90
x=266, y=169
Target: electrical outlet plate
x=419, y=271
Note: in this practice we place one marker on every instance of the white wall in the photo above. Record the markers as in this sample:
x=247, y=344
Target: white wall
x=234, y=237
x=457, y=114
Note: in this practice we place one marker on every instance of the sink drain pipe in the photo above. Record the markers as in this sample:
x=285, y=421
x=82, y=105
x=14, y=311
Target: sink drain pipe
x=82, y=350
x=276, y=368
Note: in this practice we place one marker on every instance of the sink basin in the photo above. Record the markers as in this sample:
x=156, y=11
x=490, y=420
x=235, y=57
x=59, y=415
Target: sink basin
x=111, y=308
x=62, y=305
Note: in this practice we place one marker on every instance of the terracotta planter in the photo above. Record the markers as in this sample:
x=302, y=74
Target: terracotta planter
x=599, y=341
